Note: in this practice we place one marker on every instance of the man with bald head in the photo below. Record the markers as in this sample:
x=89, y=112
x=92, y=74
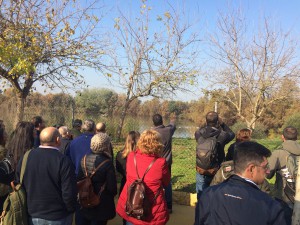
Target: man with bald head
x=100, y=128
x=49, y=181
x=65, y=138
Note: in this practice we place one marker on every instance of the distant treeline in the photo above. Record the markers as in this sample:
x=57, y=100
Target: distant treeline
x=104, y=103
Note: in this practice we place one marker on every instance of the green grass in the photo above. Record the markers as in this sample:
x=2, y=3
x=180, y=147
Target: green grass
x=183, y=167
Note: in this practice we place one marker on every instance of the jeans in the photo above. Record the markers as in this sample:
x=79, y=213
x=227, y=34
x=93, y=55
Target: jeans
x=168, y=195
x=128, y=223
x=168, y=192
x=65, y=221
x=202, y=182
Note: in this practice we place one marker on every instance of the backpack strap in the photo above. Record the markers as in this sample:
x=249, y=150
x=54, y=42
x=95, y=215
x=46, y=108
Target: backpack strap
x=148, y=168
x=98, y=167
x=24, y=163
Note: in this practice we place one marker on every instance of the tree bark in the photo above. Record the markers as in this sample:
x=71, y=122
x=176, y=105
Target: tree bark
x=296, y=211
x=20, y=108
x=122, y=118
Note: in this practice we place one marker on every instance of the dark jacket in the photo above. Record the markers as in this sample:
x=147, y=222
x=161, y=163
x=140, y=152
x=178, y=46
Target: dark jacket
x=238, y=202
x=278, y=161
x=105, y=174
x=36, y=140
x=224, y=135
x=65, y=142
x=78, y=148
x=50, y=184
x=121, y=168
x=166, y=133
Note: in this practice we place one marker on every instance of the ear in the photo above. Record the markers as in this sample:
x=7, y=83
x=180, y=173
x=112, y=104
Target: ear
x=282, y=137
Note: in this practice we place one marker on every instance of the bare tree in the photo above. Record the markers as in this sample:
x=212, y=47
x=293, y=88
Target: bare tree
x=152, y=57
x=46, y=42
x=251, y=67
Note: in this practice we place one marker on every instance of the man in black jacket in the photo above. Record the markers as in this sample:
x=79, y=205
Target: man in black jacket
x=238, y=200
x=166, y=133
x=49, y=181
x=217, y=128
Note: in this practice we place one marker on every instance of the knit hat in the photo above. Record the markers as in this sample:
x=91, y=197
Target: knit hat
x=100, y=143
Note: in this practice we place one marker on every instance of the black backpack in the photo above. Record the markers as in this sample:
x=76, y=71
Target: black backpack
x=290, y=175
x=207, y=155
x=137, y=203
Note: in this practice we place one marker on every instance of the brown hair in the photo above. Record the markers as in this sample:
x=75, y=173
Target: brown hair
x=150, y=143
x=243, y=135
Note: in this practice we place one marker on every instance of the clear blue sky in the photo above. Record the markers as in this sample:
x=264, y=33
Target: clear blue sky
x=282, y=13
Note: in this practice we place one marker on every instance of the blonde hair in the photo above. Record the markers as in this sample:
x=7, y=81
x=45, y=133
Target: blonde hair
x=150, y=143
x=130, y=143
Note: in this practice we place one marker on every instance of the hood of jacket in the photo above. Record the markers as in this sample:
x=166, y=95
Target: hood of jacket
x=291, y=146
x=209, y=132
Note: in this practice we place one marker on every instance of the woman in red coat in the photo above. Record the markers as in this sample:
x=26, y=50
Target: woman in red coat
x=149, y=147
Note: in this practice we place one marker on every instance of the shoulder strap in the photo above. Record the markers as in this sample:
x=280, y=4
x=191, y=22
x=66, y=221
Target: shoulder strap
x=24, y=163
x=84, y=166
x=149, y=167
x=98, y=167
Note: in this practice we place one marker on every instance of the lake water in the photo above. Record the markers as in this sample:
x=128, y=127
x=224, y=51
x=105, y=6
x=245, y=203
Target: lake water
x=184, y=128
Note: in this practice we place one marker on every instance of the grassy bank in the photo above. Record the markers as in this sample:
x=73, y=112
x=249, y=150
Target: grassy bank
x=183, y=167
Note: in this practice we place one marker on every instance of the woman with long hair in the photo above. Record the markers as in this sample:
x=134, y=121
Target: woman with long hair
x=147, y=160
x=20, y=141
x=121, y=157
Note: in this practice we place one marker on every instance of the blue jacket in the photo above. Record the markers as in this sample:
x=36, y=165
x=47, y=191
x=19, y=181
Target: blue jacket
x=238, y=202
x=78, y=148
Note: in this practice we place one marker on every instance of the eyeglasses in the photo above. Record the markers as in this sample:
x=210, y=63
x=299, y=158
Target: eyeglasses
x=265, y=167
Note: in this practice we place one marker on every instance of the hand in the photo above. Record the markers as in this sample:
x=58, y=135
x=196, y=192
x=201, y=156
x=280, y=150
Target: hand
x=220, y=120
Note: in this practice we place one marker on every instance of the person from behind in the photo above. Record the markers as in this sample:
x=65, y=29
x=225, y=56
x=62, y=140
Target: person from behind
x=101, y=128
x=49, y=181
x=6, y=174
x=149, y=149
x=81, y=145
x=104, y=177
x=21, y=140
x=215, y=127
x=76, y=128
x=166, y=133
x=238, y=200
x=290, y=149
x=242, y=135
x=39, y=125
x=121, y=157
x=65, y=138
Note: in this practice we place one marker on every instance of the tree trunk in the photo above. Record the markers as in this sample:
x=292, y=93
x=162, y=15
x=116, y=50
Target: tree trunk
x=296, y=211
x=122, y=118
x=20, y=108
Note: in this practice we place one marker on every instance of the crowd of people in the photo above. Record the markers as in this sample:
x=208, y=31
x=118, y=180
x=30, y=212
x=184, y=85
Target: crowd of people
x=230, y=188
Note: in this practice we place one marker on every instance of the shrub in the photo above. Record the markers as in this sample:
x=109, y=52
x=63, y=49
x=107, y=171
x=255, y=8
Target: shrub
x=293, y=120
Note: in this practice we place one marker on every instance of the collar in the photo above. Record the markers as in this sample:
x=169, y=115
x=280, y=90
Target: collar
x=248, y=180
x=52, y=147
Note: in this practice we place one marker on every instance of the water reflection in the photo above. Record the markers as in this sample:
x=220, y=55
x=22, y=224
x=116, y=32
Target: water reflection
x=184, y=128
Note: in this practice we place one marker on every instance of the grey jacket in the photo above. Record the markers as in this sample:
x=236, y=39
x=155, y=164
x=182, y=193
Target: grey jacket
x=277, y=161
x=166, y=133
